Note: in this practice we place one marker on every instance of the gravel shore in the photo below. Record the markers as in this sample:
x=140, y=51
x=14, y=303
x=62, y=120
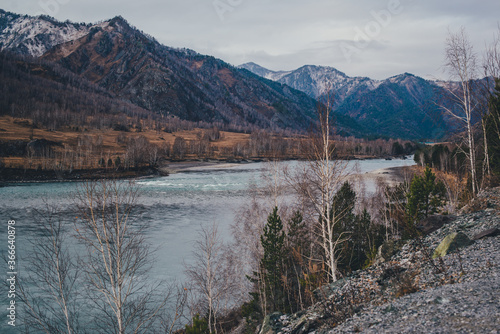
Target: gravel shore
x=471, y=305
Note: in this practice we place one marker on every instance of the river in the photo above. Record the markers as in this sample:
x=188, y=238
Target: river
x=174, y=208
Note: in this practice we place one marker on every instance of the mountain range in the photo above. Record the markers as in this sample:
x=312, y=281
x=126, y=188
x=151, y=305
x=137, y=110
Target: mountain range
x=404, y=106
x=131, y=67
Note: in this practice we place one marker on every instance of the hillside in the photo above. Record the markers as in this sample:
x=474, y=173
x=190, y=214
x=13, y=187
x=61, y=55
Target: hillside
x=27, y=35
x=133, y=67
x=316, y=81
x=409, y=292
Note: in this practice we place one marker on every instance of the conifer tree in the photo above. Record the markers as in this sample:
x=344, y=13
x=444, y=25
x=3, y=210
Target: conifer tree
x=273, y=243
x=360, y=241
x=361, y=236
x=425, y=198
x=297, y=244
x=342, y=210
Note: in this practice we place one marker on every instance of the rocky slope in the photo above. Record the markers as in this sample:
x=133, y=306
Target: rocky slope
x=316, y=81
x=413, y=293
x=34, y=36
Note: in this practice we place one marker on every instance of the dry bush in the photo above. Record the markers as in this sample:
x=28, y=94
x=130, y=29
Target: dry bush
x=455, y=189
x=407, y=283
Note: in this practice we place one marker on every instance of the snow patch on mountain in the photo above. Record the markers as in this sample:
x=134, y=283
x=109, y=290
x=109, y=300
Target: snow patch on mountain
x=316, y=81
x=36, y=35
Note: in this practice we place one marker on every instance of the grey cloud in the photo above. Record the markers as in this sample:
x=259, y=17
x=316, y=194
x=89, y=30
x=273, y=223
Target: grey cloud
x=285, y=34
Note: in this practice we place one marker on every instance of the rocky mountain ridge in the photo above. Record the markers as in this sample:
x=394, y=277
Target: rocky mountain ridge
x=315, y=81
x=34, y=36
x=134, y=67
x=404, y=105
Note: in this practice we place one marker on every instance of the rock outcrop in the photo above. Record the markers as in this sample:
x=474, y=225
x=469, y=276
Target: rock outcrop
x=451, y=243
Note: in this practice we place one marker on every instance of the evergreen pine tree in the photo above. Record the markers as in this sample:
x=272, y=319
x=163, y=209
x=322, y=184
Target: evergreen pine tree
x=343, y=212
x=359, y=242
x=344, y=203
x=425, y=198
x=493, y=130
x=273, y=243
x=297, y=244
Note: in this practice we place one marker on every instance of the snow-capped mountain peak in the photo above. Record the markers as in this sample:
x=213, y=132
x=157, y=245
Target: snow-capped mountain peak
x=315, y=80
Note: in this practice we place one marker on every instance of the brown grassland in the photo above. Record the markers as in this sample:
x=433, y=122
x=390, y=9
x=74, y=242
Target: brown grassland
x=12, y=129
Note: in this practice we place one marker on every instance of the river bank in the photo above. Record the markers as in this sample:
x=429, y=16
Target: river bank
x=390, y=175
x=19, y=175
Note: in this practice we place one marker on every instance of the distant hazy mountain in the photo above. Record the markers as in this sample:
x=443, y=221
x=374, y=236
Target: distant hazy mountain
x=136, y=68
x=401, y=106
x=315, y=80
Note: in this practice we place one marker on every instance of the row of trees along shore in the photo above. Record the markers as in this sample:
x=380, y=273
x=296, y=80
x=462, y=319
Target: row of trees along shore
x=134, y=150
x=304, y=227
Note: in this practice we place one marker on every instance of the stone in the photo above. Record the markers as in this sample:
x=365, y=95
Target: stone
x=451, y=243
x=434, y=222
x=327, y=290
x=386, y=251
x=271, y=324
x=492, y=232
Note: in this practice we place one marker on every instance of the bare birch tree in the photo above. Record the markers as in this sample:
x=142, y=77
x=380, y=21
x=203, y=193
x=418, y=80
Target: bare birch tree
x=246, y=247
x=490, y=120
x=117, y=259
x=209, y=276
x=461, y=61
x=318, y=181
x=48, y=290
x=491, y=61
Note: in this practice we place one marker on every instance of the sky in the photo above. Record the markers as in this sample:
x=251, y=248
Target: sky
x=373, y=38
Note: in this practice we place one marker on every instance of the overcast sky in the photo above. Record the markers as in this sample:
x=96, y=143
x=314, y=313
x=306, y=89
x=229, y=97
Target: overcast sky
x=374, y=38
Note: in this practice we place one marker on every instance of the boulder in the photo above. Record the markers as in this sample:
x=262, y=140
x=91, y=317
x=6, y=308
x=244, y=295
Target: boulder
x=271, y=324
x=451, y=243
x=492, y=232
x=325, y=291
x=434, y=222
x=386, y=251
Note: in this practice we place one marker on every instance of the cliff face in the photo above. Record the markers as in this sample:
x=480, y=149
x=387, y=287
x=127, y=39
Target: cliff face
x=410, y=291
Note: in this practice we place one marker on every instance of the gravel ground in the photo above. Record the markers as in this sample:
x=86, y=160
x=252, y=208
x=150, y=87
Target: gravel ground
x=463, y=298
x=470, y=306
